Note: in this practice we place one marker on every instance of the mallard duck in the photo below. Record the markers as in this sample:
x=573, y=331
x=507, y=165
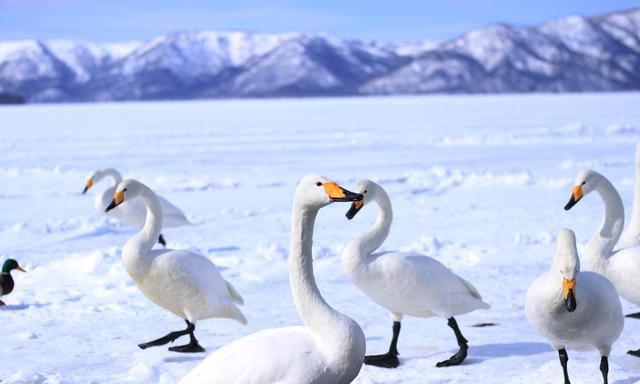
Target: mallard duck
x=6, y=281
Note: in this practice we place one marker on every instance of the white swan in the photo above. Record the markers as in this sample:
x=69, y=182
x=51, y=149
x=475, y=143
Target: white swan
x=132, y=212
x=631, y=236
x=403, y=282
x=182, y=282
x=574, y=309
x=328, y=349
x=622, y=267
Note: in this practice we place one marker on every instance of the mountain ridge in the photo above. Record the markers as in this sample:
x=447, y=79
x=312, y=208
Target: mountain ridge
x=570, y=54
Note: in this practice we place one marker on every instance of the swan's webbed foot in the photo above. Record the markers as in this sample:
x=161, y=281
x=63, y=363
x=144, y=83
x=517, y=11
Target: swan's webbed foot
x=633, y=315
x=456, y=359
x=189, y=348
x=162, y=241
x=192, y=347
x=635, y=353
x=459, y=357
x=387, y=360
x=2, y=303
x=171, y=337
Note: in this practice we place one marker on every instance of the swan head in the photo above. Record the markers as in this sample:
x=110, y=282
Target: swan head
x=369, y=190
x=586, y=182
x=318, y=191
x=567, y=263
x=93, y=178
x=10, y=264
x=127, y=189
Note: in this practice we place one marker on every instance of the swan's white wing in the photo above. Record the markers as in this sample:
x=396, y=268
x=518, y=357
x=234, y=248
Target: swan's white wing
x=624, y=272
x=189, y=285
x=282, y=355
x=172, y=216
x=422, y=286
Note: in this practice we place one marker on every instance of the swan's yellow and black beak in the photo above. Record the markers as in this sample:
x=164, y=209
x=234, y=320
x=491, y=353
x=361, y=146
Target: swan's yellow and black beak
x=337, y=193
x=87, y=186
x=576, y=195
x=356, y=206
x=118, y=198
x=569, y=293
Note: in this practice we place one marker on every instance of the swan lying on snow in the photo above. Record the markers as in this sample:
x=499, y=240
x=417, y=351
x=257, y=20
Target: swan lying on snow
x=574, y=309
x=622, y=267
x=328, y=349
x=404, y=282
x=182, y=282
x=132, y=212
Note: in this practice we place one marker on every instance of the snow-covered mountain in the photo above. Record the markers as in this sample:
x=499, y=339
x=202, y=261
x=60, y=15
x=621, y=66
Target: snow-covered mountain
x=570, y=54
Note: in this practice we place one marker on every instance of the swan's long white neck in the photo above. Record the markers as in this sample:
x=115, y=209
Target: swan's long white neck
x=631, y=236
x=599, y=248
x=357, y=251
x=136, y=249
x=112, y=173
x=318, y=316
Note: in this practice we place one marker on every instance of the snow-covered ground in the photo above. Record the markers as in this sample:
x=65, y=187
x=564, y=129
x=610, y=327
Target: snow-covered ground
x=477, y=182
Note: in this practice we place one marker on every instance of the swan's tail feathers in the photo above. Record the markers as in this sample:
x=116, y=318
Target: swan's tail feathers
x=232, y=312
x=474, y=292
x=235, y=296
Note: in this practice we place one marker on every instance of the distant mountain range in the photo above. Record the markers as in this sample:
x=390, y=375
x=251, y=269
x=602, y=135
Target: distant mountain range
x=572, y=54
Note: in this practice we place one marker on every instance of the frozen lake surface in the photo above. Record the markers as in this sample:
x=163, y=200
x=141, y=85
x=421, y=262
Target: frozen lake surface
x=477, y=182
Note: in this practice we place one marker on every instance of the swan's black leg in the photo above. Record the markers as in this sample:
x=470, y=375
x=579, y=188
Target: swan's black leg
x=193, y=345
x=169, y=338
x=604, y=368
x=564, y=358
x=635, y=353
x=2, y=303
x=389, y=359
x=161, y=240
x=634, y=315
x=462, y=343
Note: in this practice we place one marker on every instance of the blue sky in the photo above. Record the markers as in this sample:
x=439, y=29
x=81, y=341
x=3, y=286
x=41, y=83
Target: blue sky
x=412, y=20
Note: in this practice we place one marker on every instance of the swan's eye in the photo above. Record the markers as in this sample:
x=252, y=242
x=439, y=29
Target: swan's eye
x=124, y=190
x=584, y=182
x=319, y=184
x=365, y=191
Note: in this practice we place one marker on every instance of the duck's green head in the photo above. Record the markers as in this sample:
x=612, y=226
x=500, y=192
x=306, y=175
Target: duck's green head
x=10, y=264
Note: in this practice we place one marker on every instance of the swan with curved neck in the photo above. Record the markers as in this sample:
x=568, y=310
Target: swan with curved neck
x=182, y=282
x=132, y=212
x=622, y=266
x=574, y=309
x=328, y=349
x=403, y=282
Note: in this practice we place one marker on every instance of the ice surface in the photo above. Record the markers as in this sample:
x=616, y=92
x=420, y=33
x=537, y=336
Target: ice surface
x=477, y=182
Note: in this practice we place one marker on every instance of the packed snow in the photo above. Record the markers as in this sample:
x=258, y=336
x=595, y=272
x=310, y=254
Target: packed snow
x=477, y=182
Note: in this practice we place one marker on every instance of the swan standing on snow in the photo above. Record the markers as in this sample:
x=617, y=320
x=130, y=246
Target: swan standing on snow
x=182, y=282
x=132, y=212
x=631, y=236
x=622, y=267
x=403, y=282
x=328, y=349
x=574, y=309
x=6, y=280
